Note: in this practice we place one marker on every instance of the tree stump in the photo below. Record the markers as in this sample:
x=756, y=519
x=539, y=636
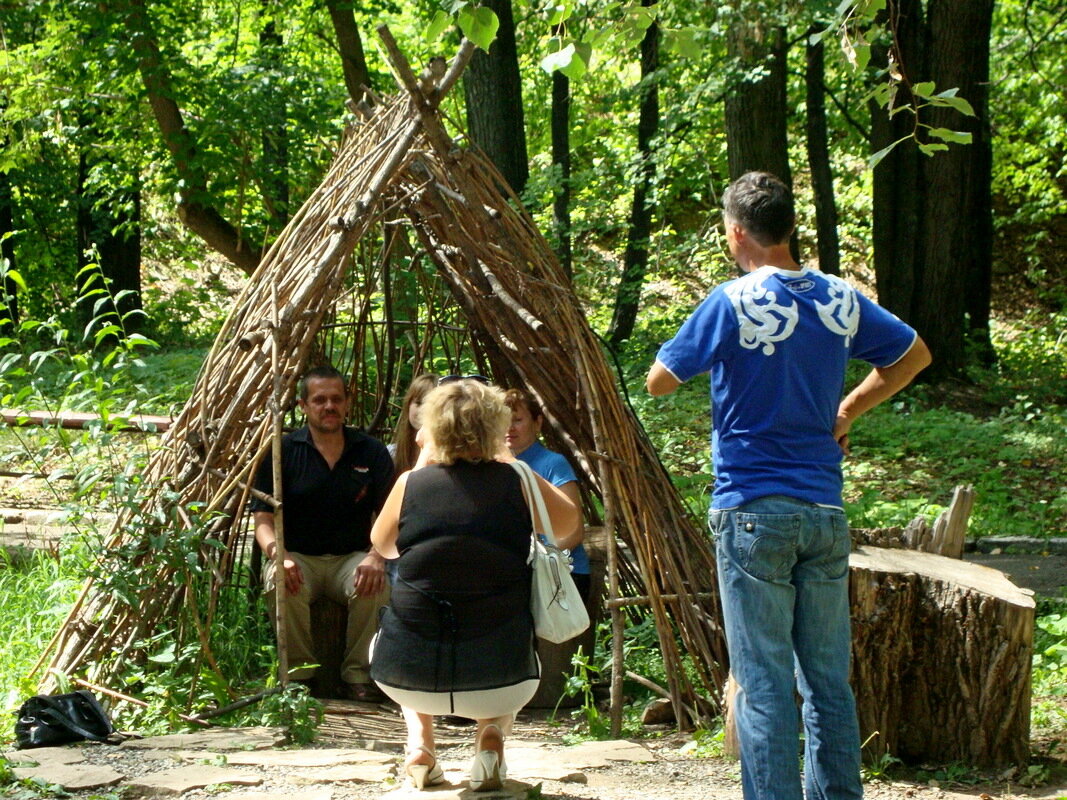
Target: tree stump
x=941, y=652
x=329, y=626
x=941, y=658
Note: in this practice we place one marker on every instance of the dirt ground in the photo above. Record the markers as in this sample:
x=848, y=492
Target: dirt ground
x=662, y=766
x=673, y=771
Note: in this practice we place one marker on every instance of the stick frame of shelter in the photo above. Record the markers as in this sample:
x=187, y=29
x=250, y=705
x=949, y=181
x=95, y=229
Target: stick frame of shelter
x=524, y=321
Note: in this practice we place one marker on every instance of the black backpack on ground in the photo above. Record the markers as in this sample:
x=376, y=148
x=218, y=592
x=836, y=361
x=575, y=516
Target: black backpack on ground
x=49, y=720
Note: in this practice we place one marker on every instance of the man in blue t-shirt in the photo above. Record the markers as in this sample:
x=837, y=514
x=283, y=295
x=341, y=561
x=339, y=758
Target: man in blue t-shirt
x=776, y=342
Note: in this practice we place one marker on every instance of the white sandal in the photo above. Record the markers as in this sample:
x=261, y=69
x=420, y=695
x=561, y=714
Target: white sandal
x=423, y=775
x=488, y=771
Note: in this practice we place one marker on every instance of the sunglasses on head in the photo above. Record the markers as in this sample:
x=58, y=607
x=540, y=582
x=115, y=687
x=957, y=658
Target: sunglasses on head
x=454, y=378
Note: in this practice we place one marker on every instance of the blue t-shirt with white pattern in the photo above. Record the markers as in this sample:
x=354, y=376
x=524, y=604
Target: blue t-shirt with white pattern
x=776, y=343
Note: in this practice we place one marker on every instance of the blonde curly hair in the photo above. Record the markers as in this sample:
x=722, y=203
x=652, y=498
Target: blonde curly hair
x=465, y=420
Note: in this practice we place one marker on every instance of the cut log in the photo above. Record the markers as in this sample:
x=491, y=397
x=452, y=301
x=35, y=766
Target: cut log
x=941, y=658
x=941, y=652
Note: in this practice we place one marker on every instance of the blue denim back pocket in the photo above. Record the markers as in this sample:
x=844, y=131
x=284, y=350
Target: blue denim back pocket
x=765, y=545
x=829, y=551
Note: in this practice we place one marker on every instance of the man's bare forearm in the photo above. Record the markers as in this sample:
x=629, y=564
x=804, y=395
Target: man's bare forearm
x=880, y=384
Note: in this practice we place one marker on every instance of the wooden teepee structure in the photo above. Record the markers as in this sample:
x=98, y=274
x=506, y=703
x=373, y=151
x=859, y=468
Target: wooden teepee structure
x=523, y=317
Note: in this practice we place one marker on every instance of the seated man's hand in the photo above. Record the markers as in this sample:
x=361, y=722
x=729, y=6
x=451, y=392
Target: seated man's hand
x=294, y=578
x=370, y=575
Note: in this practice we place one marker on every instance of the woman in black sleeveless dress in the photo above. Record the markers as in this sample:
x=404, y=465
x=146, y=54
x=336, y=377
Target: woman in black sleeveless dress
x=457, y=636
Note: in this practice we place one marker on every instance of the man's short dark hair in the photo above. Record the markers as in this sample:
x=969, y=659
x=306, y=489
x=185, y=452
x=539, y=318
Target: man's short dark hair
x=324, y=371
x=762, y=205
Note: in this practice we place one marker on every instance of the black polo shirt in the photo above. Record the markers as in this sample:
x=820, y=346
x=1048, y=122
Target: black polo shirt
x=328, y=511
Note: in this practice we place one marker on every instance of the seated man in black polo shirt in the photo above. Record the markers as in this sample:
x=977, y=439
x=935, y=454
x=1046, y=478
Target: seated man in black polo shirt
x=334, y=481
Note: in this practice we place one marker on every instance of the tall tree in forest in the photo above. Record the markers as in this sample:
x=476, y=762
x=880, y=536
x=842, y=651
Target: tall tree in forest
x=493, y=93
x=350, y=48
x=275, y=135
x=933, y=215
x=756, y=111
x=10, y=310
x=822, y=178
x=635, y=258
x=194, y=204
x=561, y=160
x=756, y=133
x=108, y=225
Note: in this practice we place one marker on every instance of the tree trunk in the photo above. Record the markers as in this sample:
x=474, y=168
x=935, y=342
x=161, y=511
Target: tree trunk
x=635, y=259
x=193, y=210
x=109, y=221
x=756, y=135
x=493, y=92
x=350, y=46
x=932, y=225
x=822, y=178
x=957, y=269
x=9, y=314
x=561, y=157
x=275, y=135
x=941, y=658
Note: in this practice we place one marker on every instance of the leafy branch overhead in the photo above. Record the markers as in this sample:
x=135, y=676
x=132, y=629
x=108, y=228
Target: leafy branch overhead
x=864, y=26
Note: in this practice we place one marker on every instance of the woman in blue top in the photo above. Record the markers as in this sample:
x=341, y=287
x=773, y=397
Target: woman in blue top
x=522, y=437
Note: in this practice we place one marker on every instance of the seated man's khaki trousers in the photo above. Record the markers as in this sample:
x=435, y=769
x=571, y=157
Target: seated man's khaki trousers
x=332, y=577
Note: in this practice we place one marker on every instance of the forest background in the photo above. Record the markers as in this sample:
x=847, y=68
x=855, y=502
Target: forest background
x=152, y=151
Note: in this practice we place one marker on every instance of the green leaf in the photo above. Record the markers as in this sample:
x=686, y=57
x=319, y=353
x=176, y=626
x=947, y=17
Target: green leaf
x=950, y=101
x=579, y=63
x=872, y=162
x=437, y=26
x=682, y=41
x=479, y=25
x=959, y=137
x=560, y=13
x=559, y=59
x=16, y=277
x=923, y=88
x=863, y=56
x=932, y=147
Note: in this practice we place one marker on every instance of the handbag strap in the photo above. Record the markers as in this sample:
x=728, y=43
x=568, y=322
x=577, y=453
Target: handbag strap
x=535, y=500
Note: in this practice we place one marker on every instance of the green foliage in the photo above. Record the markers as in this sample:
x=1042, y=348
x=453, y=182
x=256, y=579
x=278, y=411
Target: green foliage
x=294, y=710
x=1049, y=713
x=581, y=682
x=708, y=743
x=954, y=774
x=38, y=589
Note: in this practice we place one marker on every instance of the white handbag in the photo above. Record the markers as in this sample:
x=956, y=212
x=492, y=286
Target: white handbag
x=558, y=610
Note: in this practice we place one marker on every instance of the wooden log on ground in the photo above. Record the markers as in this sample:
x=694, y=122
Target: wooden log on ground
x=941, y=658
x=941, y=653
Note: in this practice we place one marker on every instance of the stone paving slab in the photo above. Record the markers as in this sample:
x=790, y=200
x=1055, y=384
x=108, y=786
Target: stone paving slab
x=601, y=754
x=184, y=779
x=213, y=739
x=459, y=790
x=73, y=777
x=345, y=773
x=324, y=757
x=287, y=794
x=45, y=756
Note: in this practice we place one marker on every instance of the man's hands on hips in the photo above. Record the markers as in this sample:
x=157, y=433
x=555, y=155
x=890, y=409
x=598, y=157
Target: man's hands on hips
x=370, y=575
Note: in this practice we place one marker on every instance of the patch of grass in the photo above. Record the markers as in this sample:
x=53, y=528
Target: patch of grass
x=36, y=593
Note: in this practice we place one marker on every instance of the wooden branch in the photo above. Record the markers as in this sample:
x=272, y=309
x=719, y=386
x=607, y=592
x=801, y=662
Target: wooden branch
x=77, y=420
x=202, y=220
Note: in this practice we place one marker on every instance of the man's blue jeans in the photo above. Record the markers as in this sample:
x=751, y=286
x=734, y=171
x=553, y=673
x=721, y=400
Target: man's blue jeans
x=783, y=575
